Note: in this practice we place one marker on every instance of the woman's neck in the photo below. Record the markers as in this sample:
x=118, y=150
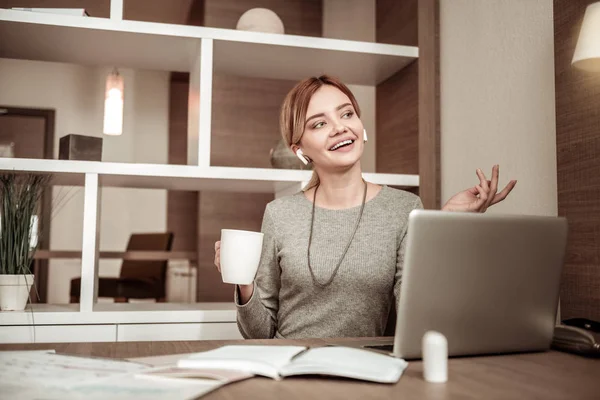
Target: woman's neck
x=339, y=190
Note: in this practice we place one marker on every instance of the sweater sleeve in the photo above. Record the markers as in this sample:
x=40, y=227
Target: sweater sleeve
x=417, y=205
x=257, y=319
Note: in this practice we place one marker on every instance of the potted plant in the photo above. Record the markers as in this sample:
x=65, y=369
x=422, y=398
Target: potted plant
x=19, y=202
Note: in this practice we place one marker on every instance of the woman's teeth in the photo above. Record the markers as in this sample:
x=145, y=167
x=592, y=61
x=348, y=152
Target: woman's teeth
x=344, y=143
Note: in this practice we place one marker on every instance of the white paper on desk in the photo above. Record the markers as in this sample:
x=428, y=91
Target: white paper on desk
x=41, y=375
x=126, y=388
x=45, y=369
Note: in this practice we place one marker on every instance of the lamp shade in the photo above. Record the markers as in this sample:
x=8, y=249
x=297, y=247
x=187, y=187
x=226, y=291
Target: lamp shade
x=113, y=104
x=587, y=51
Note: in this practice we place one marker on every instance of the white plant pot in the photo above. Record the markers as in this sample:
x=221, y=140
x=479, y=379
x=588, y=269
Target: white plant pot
x=14, y=291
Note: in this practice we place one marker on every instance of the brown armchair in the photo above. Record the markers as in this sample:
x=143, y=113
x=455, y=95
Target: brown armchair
x=139, y=279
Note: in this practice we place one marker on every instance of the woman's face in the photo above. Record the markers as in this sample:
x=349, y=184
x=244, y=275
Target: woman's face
x=333, y=133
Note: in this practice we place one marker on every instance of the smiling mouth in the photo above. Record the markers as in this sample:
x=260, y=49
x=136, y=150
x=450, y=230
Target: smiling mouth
x=341, y=144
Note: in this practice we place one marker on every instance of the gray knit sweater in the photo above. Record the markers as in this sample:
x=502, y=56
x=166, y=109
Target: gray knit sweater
x=287, y=304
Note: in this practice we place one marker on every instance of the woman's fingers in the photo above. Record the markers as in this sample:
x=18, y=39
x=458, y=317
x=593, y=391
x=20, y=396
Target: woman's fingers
x=482, y=179
x=485, y=184
x=493, y=185
x=474, y=191
x=485, y=188
x=477, y=206
x=502, y=195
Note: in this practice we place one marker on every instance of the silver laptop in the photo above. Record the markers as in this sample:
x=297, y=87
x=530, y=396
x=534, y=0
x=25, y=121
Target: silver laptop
x=489, y=283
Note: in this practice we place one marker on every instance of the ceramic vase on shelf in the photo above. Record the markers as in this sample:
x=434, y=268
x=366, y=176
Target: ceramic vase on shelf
x=15, y=291
x=260, y=20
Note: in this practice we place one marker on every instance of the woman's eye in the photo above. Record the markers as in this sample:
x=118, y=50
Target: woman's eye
x=318, y=125
x=348, y=114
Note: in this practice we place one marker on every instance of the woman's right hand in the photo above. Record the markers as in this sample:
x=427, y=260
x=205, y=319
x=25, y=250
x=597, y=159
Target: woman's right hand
x=245, y=290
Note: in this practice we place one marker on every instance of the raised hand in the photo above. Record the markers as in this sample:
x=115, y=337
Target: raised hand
x=480, y=197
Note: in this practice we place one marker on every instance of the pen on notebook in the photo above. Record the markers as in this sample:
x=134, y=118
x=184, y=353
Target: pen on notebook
x=299, y=354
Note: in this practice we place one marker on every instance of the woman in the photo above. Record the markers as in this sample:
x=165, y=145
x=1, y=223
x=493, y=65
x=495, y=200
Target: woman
x=332, y=254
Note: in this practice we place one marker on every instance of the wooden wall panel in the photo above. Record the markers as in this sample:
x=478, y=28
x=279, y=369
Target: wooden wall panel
x=578, y=165
x=429, y=103
x=397, y=111
x=299, y=17
x=244, y=129
x=397, y=22
x=397, y=99
x=178, y=114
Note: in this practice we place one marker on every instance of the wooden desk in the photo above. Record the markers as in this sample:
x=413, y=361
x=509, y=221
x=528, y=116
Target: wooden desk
x=550, y=375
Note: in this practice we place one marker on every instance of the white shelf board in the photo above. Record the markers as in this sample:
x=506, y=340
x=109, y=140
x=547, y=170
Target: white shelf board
x=180, y=177
x=122, y=313
x=358, y=63
x=155, y=46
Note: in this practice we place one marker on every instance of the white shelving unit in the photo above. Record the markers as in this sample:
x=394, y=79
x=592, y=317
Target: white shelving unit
x=123, y=313
x=167, y=47
x=199, y=51
x=180, y=177
x=120, y=322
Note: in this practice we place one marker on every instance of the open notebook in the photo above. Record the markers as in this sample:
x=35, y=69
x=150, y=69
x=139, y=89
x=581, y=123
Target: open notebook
x=280, y=361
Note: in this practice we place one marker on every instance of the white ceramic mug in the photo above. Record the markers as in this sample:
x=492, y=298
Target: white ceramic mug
x=240, y=255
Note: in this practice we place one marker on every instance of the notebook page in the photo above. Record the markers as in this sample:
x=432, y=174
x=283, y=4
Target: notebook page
x=347, y=362
x=259, y=360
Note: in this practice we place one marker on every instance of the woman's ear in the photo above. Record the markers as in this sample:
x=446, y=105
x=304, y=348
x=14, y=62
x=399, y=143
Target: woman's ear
x=302, y=157
x=298, y=152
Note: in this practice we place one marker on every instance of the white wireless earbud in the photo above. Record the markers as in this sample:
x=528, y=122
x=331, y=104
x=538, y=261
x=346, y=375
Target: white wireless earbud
x=301, y=156
x=365, y=134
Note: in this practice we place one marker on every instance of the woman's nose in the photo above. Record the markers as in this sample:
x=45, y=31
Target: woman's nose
x=338, y=128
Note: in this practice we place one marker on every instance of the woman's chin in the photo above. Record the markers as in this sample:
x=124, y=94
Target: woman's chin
x=339, y=160
x=343, y=165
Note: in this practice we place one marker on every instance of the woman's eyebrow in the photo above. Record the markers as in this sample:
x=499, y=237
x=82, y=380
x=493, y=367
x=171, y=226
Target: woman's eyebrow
x=322, y=115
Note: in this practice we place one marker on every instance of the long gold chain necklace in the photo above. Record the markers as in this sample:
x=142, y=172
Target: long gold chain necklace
x=312, y=220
